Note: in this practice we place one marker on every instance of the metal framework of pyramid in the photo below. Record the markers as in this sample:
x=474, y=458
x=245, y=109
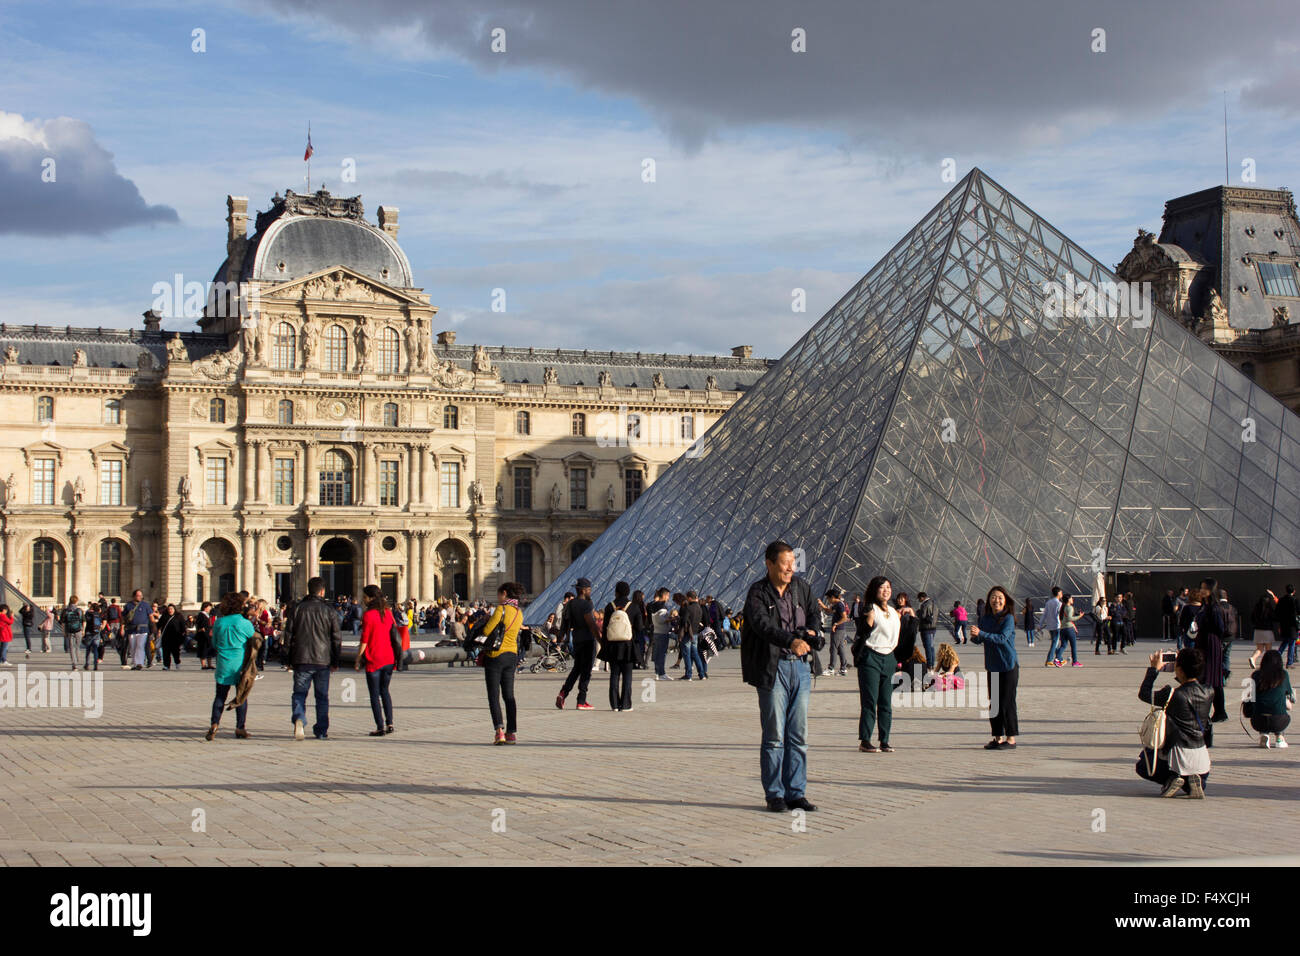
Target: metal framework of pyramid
x=1067, y=437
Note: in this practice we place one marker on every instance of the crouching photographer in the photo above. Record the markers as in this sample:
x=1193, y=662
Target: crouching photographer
x=1269, y=701
x=1175, y=754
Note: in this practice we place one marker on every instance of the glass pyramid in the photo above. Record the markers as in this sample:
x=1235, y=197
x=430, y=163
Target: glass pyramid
x=940, y=426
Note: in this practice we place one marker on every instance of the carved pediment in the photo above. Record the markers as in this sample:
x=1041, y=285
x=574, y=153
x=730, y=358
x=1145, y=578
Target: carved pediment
x=43, y=449
x=450, y=375
x=219, y=366
x=111, y=449
x=216, y=449
x=340, y=284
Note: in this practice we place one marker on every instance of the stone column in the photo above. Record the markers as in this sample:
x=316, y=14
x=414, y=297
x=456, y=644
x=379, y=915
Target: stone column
x=259, y=587
x=138, y=579
x=308, y=469
x=473, y=578
x=10, y=569
x=76, y=582
x=313, y=557
x=374, y=471
x=246, y=562
x=424, y=468
x=363, y=473
x=412, y=453
x=412, y=553
x=188, y=595
x=264, y=472
x=251, y=450
x=426, y=565
x=370, y=561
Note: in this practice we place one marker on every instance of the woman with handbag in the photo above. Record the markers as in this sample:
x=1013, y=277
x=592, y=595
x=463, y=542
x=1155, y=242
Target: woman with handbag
x=230, y=633
x=996, y=630
x=873, y=656
x=171, y=632
x=1177, y=758
x=379, y=643
x=500, y=657
x=623, y=622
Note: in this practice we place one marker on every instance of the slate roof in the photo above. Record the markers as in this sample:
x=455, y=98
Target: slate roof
x=105, y=348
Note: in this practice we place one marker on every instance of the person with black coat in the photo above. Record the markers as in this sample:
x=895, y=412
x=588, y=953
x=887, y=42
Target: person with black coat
x=1183, y=763
x=618, y=649
x=778, y=631
x=315, y=647
x=171, y=635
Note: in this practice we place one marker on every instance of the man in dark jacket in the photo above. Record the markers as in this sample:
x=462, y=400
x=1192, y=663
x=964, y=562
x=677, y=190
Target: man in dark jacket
x=927, y=616
x=315, y=646
x=780, y=621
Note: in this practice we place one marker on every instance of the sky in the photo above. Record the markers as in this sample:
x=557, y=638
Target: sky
x=515, y=139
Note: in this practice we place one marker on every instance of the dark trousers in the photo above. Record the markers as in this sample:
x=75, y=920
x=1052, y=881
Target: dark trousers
x=1004, y=721
x=377, y=683
x=875, y=689
x=1270, y=723
x=499, y=672
x=584, y=652
x=219, y=704
x=1161, y=772
x=171, y=651
x=660, y=642
x=620, y=685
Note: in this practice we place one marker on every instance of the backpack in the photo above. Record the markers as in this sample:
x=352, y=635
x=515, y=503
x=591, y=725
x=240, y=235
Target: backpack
x=1232, y=623
x=619, y=625
x=73, y=618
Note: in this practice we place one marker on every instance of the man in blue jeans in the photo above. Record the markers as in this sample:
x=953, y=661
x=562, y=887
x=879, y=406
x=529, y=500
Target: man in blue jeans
x=661, y=618
x=315, y=647
x=778, y=630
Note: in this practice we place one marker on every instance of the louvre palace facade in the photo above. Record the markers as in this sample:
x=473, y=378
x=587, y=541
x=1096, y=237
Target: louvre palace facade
x=317, y=422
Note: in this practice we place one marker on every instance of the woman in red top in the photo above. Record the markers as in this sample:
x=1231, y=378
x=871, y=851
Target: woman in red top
x=6, y=633
x=376, y=653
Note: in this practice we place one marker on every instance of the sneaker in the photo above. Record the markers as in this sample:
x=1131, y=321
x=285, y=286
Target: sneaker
x=705, y=677
x=256, y=677
x=843, y=672
x=1197, y=791
x=500, y=737
x=1076, y=664
x=828, y=673
x=1173, y=786
x=299, y=732
x=1265, y=742
x=511, y=739
x=559, y=700
x=1060, y=663
x=688, y=678
x=627, y=710
x=664, y=677
x=585, y=707
x=1280, y=742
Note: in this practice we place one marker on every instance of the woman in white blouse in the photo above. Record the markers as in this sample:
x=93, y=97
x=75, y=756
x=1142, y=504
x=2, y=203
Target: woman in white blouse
x=873, y=656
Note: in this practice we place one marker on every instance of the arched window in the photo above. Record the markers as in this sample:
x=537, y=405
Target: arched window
x=390, y=352
x=390, y=414
x=47, y=560
x=110, y=567
x=284, y=349
x=217, y=410
x=524, y=565
x=113, y=412
x=284, y=414
x=336, y=349
x=335, y=479
x=523, y=424
x=45, y=408
x=450, y=417
x=579, y=427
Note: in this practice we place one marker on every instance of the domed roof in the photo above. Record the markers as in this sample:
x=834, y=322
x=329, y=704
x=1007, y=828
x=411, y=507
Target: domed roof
x=301, y=235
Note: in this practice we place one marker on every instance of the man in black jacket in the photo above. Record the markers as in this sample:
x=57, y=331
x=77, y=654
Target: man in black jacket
x=315, y=646
x=780, y=621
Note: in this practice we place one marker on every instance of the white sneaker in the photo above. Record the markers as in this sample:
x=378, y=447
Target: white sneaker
x=298, y=732
x=1280, y=742
x=627, y=710
x=828, y=673
x=1263, y=741
x=664, y=677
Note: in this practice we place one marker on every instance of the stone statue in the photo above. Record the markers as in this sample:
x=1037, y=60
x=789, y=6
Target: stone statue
x=1281, y=316
x=310, y=338
x=500, y=494
x=421, y=345
x=79, y=358
x=659, y=380
x=605, y=379
x=1215, y=313
x=711, y=383
x=248, y=339
x=145, y=362
x=555, y=497
x=78, y=491
x=362, y=337
x=11, y=355
x=184, y=489
x=475, y=493
x=146, y=493
x=11, y=490
x=609, y=498
x=176, y=350
x=481, y=364
x=412, y=350
x=550, y=376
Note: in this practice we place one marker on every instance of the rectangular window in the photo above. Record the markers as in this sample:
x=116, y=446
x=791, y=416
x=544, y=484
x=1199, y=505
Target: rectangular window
x=216, y=481
x=110, y=482
x=113, y=413
x=632, y=486
x=524, y=488
x=578, y=489
x=43, y=481
x=284, y=482
x=1279, y=278
x=450, y=484
x=388, y=483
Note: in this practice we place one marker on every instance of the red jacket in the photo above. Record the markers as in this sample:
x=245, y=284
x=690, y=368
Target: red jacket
x=376, y=634
x=6, y=628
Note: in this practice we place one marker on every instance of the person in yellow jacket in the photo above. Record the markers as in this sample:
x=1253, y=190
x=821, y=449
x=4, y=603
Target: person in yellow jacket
x=499, y=665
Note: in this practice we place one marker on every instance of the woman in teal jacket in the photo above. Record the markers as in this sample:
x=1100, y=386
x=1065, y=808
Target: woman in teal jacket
x=997, y=632
x=230, y=632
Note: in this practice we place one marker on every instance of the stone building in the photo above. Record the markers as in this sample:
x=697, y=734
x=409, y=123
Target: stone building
x=1225, y=266
x=313, y=425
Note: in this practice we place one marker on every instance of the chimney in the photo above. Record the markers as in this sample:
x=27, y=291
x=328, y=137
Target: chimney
x=742, y=351
x=152, y=321
x=236, y=235
x=388, y=220
x=447, y=338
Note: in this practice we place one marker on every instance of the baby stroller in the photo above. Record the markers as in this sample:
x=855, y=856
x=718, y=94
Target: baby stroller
x=555, y=658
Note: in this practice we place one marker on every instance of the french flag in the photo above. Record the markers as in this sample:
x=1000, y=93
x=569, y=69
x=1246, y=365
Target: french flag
x=307, y=155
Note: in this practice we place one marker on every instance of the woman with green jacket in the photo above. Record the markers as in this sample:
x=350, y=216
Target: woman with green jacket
x=230, y=632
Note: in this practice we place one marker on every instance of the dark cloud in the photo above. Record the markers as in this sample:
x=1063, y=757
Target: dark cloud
x=87, y=195
x=919, y=75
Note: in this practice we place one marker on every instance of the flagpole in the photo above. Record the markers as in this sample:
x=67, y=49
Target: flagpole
x=309, y=159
